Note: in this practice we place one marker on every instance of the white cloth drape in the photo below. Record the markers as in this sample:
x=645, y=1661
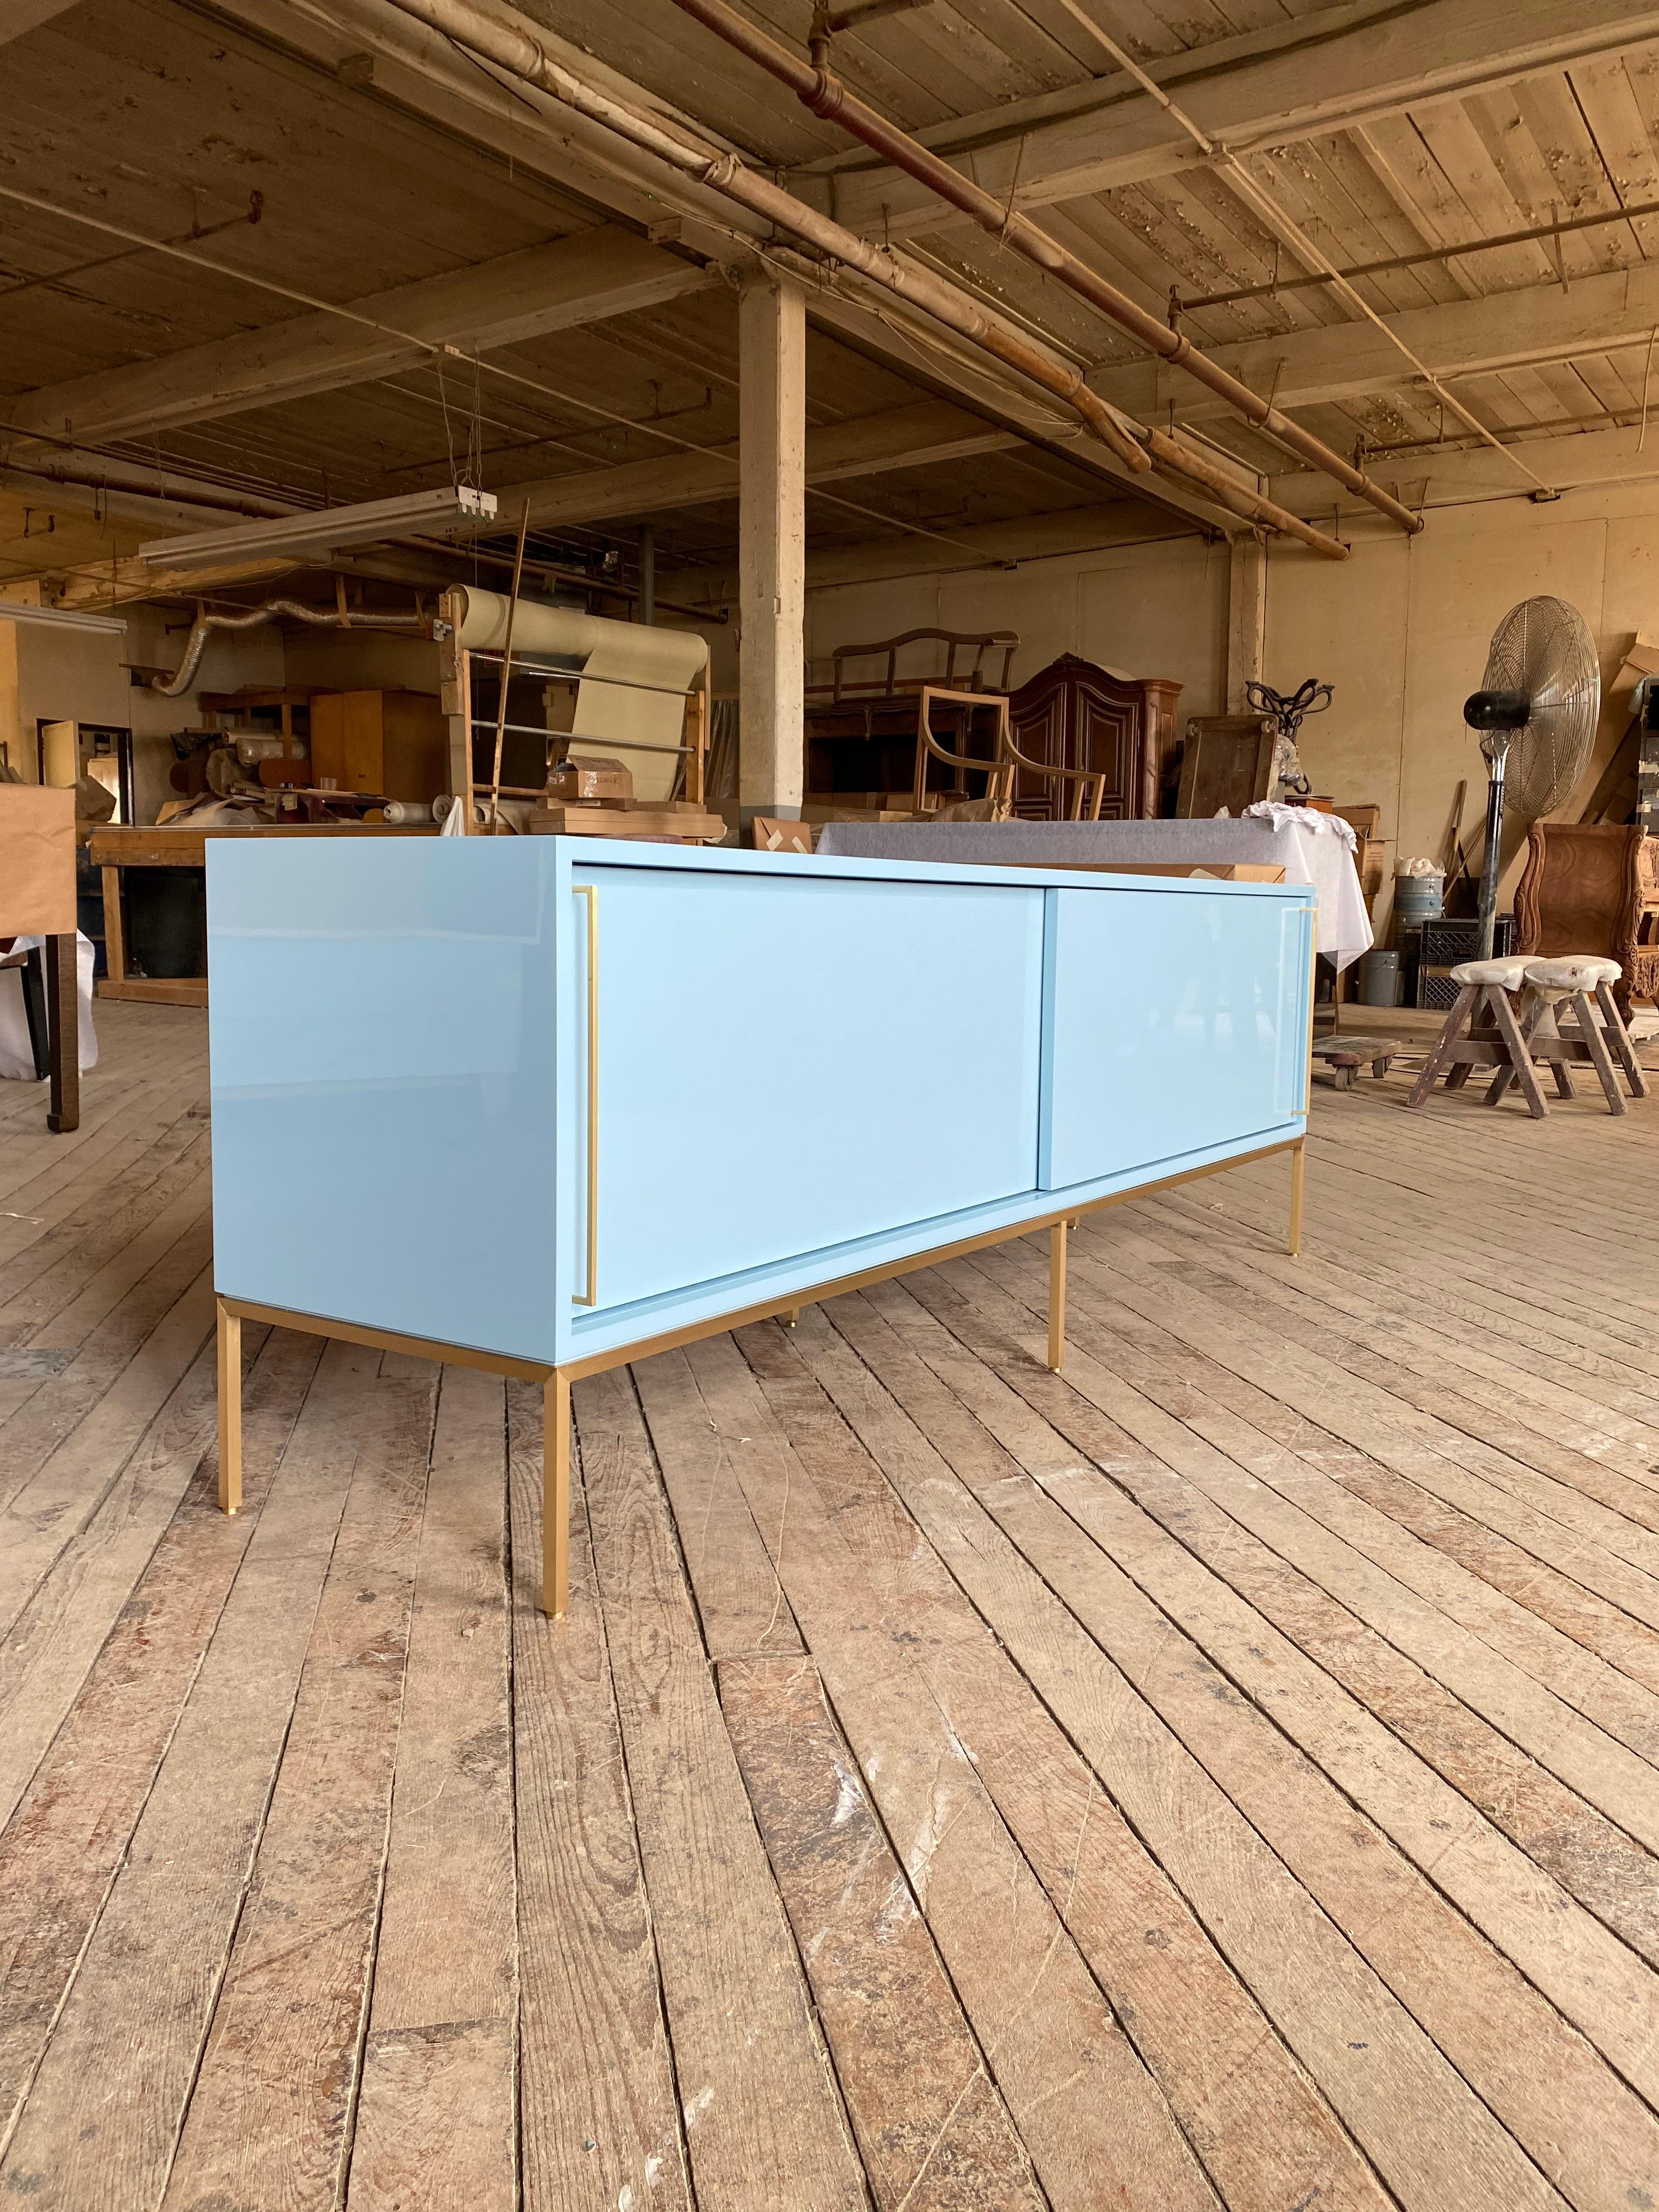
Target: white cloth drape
x=16, y=1060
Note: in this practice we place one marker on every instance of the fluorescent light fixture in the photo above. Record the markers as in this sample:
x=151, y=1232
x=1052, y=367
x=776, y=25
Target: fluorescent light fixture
x=322, y=530
x=62, y=617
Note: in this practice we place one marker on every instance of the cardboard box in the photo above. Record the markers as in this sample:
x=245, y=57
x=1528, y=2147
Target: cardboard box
x=37, y=860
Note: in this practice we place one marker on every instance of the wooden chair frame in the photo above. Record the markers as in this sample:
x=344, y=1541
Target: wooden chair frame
x=1088, y=792
x=1090, y=782
x=997, y=769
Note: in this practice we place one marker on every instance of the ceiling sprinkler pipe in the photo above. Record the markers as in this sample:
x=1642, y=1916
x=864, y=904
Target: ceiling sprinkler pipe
x=172, y=687
x=1138, y=449
x=826, y=95
x=516, y=52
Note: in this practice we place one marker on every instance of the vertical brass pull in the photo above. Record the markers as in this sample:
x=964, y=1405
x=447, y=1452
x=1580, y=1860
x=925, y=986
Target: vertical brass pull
x=591, y=893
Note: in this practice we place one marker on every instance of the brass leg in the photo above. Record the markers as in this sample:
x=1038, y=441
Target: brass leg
x=1057, y=1296
x=555, y=1494
x=1298, y=1180
x=230, y=1408
x=790, y=1315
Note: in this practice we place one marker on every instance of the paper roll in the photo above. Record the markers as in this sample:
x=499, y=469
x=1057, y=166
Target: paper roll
x=632, y=677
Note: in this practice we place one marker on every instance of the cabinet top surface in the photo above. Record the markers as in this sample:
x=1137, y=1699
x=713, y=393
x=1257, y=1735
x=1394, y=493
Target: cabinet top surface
x=533, y=858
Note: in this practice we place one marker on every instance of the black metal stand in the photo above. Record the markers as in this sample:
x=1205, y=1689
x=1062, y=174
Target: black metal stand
x=1497, y=756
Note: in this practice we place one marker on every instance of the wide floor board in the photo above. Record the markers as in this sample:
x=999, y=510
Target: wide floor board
x=1225, y=1774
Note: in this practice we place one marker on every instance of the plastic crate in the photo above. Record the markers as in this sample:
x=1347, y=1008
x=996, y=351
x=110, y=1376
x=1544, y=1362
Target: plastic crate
x=1438, y=993
x=1446, y=944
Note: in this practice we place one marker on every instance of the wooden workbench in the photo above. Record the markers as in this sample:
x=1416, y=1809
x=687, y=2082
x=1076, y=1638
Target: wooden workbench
x=182, y=845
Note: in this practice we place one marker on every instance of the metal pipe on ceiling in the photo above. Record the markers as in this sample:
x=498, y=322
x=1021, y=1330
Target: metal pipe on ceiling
x=91, y=471
x=822, y=92
x=1538, y=234
x=522, y=55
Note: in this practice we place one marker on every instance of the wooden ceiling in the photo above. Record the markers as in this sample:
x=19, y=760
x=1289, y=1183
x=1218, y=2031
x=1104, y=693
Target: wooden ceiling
x=259, y=364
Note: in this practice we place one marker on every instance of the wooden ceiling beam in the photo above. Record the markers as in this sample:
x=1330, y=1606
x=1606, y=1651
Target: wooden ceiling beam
x=977, y=545
x=1340, y=362
x=423, y=75
x=584, y=279
x=927, y=434
x=1331, y=80
x=18, y=17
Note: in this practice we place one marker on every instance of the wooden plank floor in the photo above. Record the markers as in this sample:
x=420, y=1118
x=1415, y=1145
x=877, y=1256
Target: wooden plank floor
x=1222, y=1776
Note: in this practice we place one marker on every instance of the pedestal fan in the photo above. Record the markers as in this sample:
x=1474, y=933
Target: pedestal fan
x=1535, y=713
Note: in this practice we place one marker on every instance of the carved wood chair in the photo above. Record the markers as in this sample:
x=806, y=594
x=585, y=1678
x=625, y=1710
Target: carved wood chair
x=1592, y=890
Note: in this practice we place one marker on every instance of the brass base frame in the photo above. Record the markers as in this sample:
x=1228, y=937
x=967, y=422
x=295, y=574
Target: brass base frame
x=555, y=1381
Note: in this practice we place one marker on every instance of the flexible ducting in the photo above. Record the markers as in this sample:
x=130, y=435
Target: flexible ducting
x=203, y=628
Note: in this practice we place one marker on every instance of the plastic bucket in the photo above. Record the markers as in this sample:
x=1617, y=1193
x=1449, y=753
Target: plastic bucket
x=1379, y=978
x=1418, y=899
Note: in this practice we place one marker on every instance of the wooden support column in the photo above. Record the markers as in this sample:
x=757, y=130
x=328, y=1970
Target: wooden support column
x=772, y=546
x=1246, y=619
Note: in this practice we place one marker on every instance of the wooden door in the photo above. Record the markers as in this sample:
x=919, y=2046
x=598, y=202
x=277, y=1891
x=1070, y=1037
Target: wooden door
x=1106, y=735
x=1076, y=714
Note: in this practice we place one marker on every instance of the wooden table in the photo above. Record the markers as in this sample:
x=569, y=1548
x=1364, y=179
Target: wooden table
x=182, y=845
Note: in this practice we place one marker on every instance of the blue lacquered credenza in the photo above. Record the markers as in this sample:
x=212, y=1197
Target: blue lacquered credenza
x=548, y=1104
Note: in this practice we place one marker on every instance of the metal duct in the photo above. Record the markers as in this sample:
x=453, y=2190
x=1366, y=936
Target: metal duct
x=203, y=628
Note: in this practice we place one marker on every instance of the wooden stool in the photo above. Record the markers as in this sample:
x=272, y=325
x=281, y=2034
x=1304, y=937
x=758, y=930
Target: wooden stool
x=1552, y=986
x=1492, y=1038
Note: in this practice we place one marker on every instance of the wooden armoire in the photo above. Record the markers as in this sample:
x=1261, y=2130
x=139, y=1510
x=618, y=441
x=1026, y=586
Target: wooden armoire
x=1075, y=714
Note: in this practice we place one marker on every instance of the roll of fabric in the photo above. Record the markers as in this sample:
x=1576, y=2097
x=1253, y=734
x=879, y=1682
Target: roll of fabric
x=632, y=678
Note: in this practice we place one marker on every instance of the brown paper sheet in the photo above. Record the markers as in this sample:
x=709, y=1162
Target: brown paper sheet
x=37, y=860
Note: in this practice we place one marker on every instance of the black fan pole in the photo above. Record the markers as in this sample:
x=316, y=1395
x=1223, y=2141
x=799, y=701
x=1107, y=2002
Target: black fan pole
x=1496, y=747
x=1496, y=716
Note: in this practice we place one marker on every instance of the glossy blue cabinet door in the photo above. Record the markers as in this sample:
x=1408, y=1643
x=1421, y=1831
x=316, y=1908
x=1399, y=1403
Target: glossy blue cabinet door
x=787, y=1063
x=1175, y=1021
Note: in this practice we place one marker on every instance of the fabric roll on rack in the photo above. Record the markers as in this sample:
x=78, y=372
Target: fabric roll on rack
x=631, y=679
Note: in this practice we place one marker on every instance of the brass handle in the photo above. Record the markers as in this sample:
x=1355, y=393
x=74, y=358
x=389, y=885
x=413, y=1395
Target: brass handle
x=591, y=893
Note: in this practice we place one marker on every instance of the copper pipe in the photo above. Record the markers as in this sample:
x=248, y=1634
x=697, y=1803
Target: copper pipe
x=826, y=97
x=1177, y=460
x=523, y=56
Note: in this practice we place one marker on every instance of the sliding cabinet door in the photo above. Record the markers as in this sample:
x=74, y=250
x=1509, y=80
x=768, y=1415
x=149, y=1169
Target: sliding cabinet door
x=787, y=1064
x=1177, y=1021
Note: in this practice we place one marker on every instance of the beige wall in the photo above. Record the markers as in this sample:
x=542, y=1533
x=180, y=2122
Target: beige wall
x=1156, y=610
x=1400, y=628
